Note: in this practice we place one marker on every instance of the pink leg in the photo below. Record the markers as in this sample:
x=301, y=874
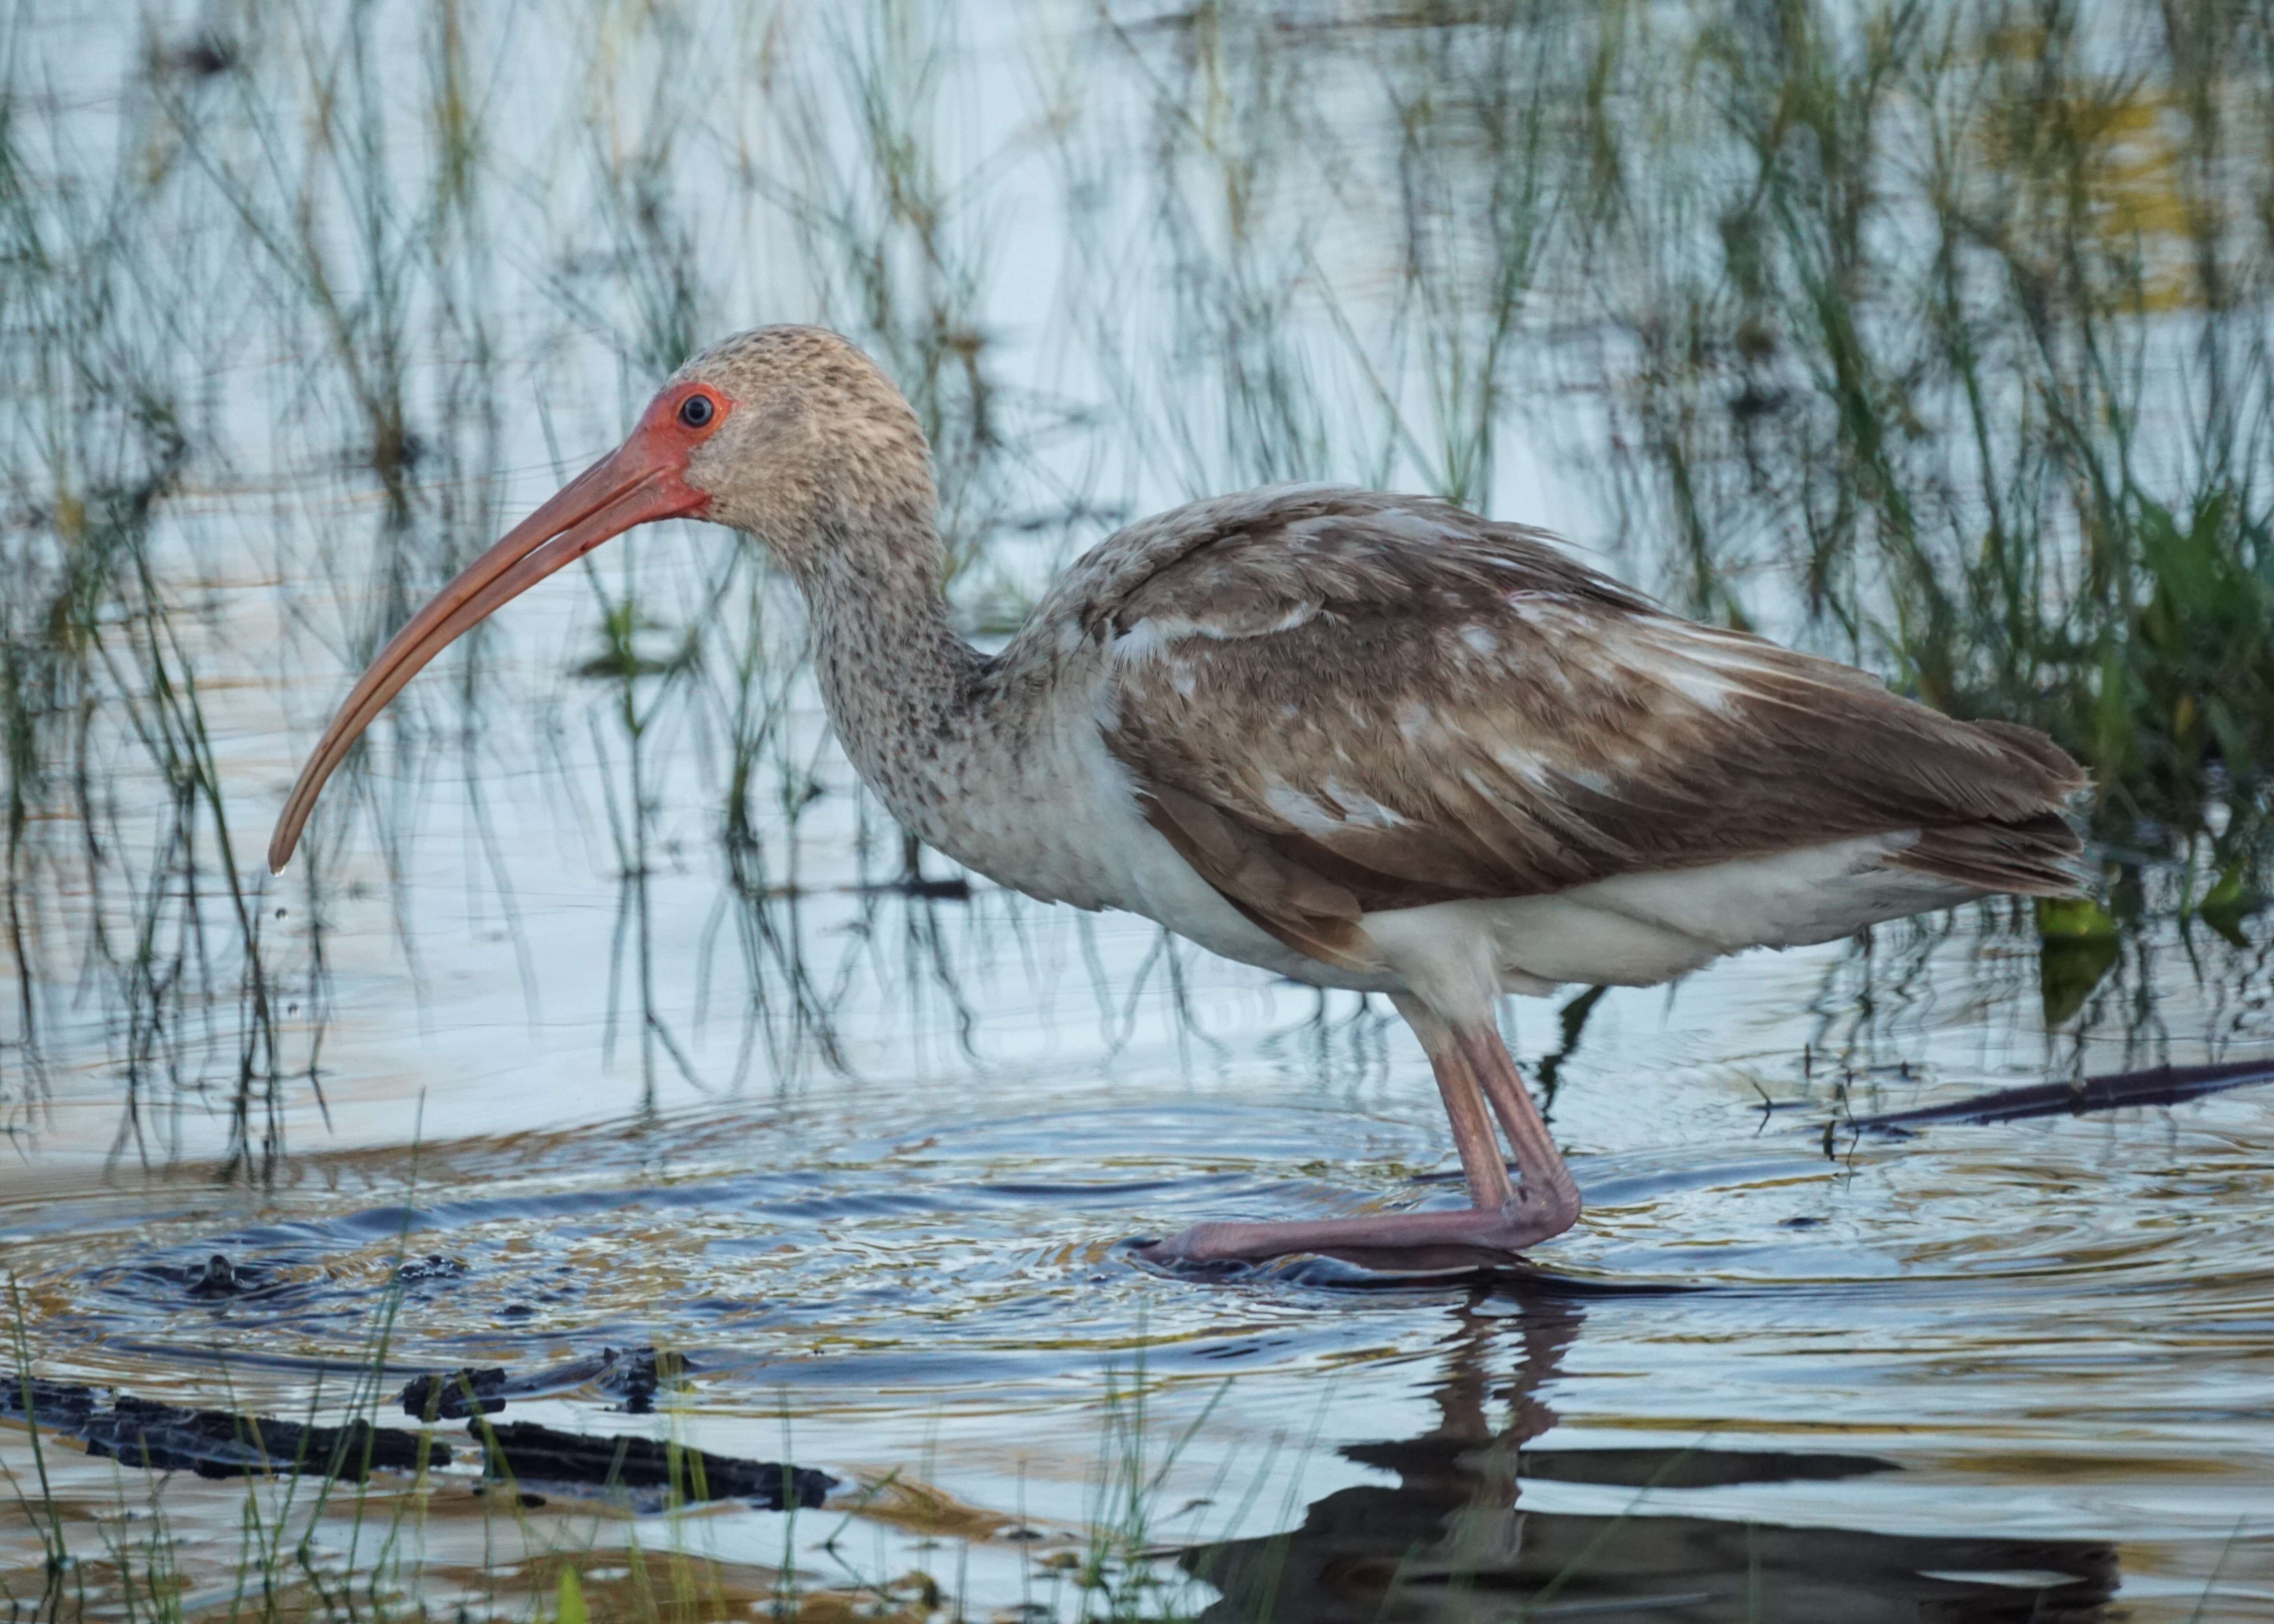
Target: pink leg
x=1547, y=1183
x=1473, y=1071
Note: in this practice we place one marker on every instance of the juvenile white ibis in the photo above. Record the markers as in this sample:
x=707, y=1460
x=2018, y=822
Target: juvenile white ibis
x=1366, y=741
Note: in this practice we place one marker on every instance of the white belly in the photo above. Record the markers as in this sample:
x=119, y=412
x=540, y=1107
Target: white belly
x=1062, y=823
x=1639, y=929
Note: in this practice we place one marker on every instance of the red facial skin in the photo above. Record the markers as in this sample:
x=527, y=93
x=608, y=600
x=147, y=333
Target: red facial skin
x=641, y=480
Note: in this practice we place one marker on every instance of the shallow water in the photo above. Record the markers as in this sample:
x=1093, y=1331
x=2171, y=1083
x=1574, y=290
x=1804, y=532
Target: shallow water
x=598, y=1013
x=1986, y=1370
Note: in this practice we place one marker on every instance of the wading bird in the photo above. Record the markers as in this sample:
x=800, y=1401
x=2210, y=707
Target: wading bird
x=1366, y=741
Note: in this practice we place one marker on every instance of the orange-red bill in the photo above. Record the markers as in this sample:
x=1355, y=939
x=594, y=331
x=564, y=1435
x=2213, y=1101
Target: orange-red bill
x=637, y=482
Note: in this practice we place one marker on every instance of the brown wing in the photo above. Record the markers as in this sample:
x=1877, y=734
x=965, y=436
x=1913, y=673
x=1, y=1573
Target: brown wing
x=1388, y=701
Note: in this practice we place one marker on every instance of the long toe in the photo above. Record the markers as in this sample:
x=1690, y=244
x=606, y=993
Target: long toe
x=1212, y=1243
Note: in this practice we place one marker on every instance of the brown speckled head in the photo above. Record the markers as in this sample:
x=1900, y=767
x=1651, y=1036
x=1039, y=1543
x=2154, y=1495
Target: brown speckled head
x=814, y=451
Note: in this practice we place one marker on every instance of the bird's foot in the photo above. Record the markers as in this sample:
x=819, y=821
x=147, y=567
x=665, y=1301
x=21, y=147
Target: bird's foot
x=1472, y=1237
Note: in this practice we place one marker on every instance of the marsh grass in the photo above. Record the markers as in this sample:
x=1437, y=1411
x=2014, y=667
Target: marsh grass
x=1976, y=359
x=99, y=665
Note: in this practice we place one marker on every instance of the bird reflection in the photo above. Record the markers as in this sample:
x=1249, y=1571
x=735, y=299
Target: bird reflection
x=1452, y=1541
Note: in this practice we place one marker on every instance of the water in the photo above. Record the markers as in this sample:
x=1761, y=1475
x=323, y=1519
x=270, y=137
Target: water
x=1760, y=1375
x=603, y=985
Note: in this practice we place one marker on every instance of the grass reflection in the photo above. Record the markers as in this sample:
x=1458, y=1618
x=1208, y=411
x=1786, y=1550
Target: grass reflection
x=1934, y=335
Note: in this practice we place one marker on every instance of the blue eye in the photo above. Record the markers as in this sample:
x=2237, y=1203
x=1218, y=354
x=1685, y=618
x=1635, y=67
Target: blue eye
x=696, y=410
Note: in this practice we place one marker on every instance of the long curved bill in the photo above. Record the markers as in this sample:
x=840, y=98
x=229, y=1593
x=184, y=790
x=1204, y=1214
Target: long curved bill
x=637, y=482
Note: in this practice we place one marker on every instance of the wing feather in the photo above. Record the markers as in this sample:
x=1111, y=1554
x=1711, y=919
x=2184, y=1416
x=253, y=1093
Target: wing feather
x=1351, y=702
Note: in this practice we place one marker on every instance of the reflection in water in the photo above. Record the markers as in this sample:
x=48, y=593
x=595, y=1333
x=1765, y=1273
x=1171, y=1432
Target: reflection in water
x=1971, y=1349
x=1455, y=1541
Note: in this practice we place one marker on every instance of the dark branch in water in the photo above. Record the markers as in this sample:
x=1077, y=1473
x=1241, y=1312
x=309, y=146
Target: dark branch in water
x=528, y=1453
x=220, y=1443
x=213, y=1443
x=2156, y=1086
x=633, y=1373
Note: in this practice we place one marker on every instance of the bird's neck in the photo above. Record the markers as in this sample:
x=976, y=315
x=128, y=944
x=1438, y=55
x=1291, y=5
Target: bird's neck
x=898, y=681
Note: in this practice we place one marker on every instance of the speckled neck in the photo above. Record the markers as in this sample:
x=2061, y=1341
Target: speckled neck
x=899, y=682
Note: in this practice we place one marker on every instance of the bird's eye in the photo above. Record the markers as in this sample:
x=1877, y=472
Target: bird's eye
x=696, y=411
